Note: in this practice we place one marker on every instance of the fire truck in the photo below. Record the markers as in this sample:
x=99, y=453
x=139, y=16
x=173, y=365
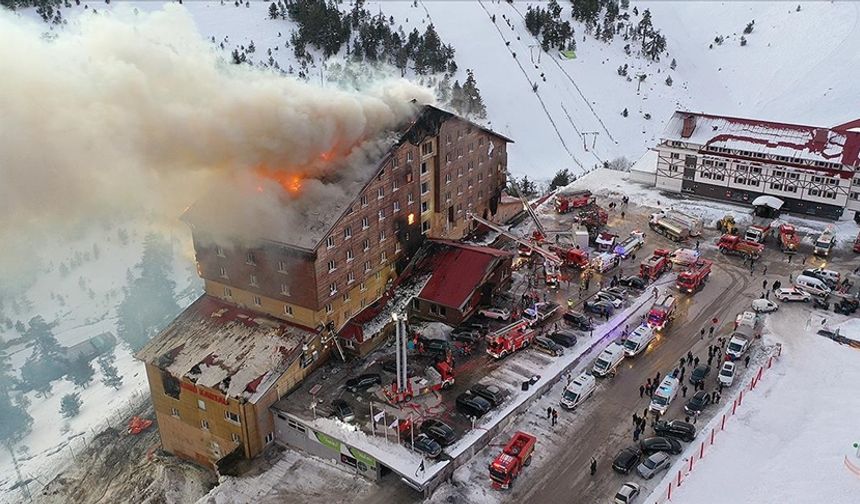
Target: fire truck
x=516, y=455
x=573, y=257
x=630, y=245
x=566, y=202
x=759, y=232
x=662, y=313
x=788, y=239
x=510, y=338
x=695, y=277
x=730, y=244
x=655, y=265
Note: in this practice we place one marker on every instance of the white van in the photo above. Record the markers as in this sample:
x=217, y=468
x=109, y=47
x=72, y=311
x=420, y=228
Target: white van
x=738, y=346
x=578, y=391
x=664, y=394
x=638, y=340
x=830, y=277
x=812, y=285
x=608, y=360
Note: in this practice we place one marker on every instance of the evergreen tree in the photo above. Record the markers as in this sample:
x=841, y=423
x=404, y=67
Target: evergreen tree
x=80, y=372
x=669, y=80
x=624, y=112
x=149, y=303
x=673, y=64
x=749, y=27
x=561, y=179
x=70, y=405
x=474, y=103
x=273, y=11
x=110, y=374
x=743, y=41
x=458, y=98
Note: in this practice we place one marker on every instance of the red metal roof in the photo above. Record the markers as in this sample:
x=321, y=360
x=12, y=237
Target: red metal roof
x=458, y=271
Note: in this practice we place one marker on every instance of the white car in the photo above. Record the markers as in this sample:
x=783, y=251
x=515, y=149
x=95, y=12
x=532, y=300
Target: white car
x=627, y=493
x=727, y=374
x=605, y=296
x=764, y=306
x=495, y=313
x=791, y=294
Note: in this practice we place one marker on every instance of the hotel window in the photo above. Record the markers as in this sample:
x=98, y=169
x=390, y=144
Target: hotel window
x=395, y=185
x=332, y=265
x=425, y=226
x=459, y=171
x=410, y=198
x=447, y=195
x=409, y=157
x=366, y=266
x=459, y=134
x=382, y=235
x=258, y=301
x=409, y=177
x=232, y=417
x=201, y=404
x=814, y=192
x=347, y=233
x=235, y=437
x=332, y=289
x=424, y=169
x=350, y=278
x=424, y=206
x=288, y=310
x=470, y=165
x=228, y=293
x=249, y=259
x=362, y=287
x=329, y=242
x=349, y=255
x=223, y=272
x=448, y=158
x=469, y=181
x=396, y=161
x=459, y=189
x=282, y=266
x=790, y=188
x=285, y=289
x=174, y=412
x=448, y=138
x=365, y=245
x=397, y=247
x=364, y=200
x=204, y=424
x=380, y=193
x=328, y=308
x=380, y=174
x=448, y=178
x=396, y=206
x=383, y=256
x=381, y=214
x=253, y=281
x=365, y=223
x=426, y=148
x=219, y=251
x=425, y=187
x=346, y=297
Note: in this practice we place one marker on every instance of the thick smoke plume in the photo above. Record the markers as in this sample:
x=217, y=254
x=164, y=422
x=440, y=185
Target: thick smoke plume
x=124, y=111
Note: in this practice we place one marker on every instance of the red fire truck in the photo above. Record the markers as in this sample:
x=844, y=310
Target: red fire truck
x=440, y=376
x=573, y=257
x=565, y=203
x=695, y=277
x=662, y=313
x=730, y=244
x=510, y=338
x=788, y=239
x=509, y=464
x=655, y=265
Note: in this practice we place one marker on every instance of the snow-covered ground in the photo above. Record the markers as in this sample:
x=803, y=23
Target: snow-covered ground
x=790, y=439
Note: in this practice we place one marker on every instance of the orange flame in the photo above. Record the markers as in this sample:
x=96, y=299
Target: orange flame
x=289, y=181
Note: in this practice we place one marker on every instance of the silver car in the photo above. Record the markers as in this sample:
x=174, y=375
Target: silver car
x=653, y=465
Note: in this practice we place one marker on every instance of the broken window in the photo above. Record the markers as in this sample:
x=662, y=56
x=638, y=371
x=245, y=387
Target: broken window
x=170, y=384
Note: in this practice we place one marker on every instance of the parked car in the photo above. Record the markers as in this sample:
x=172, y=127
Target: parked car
x=621, y=292
x=577, y=320
x=427, y=445
x=547, y=346
x=700, y=373
x=634, y=282
x=675, y=429
x=495, y=313
x=846, y=306
x=727, y=374
x=473, y=405
x=599, y=307
x=441, y=432
x=466, y=335
x=494, y=394
x=626, y=460
x=820, y=303
x=698, y=402
x=481, y=327
x=342, y=410
x=616, y=302
x=627, y=493
x=764, y=306
x=434, y=345
x=564, y=338
x=363, y=382
x=652, y=465
x=792, y=294
x=660, y=444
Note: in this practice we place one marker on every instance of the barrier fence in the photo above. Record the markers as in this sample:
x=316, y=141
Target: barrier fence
x=710, y=438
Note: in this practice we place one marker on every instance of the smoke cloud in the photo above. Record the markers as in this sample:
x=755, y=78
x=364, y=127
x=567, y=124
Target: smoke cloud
x=126, y=111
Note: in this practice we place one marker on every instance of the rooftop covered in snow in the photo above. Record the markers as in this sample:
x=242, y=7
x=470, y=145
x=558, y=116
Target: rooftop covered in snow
x=216, y=345
x=793, y=142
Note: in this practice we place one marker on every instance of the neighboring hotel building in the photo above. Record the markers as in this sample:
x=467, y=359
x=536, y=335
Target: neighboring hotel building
x=814, y=170
x=269, y=309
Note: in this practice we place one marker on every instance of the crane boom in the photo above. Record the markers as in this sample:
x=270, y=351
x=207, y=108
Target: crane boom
x=549, y=256
x=526, y=204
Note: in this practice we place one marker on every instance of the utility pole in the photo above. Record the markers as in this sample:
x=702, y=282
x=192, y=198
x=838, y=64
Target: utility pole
x=593, y=135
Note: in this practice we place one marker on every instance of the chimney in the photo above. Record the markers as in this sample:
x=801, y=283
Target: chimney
x=819, y=138
x=689, y=126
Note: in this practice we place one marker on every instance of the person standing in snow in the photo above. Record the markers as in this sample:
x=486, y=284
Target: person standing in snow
x=593, y=465
x=684, y=390
x=641, y=391
x=747, y=362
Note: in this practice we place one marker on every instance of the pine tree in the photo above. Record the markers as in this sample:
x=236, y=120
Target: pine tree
x=669, y=80
x=458, y=98
x=70, y=405
x=562, y=178
x=624, y=112
x=110, y=374
x=749, y=27
x=273, y=11
x=743, y=41
x=673, y=64
x=474, y=102
x=80, y=372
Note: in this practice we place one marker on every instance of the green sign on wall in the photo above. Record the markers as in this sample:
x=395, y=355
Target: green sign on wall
x=329, y=441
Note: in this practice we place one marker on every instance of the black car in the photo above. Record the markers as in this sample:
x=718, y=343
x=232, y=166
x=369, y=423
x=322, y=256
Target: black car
x=362, y=382
x=390, y=366
x=821, y=304
x=626, y=460
x=564, y=338
x=846, y=306
x=441, y=432
x=699, y=373
x=598, y=307
x=472, y=405
x=427, y=445
x=477, y=326
x=660, y=444
x=342, y=410
x=547, y=346
x=492, y=393
x=698, y=402
x=675, y=429
x=633, y=282
x=434, y=345
x=577, y=320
